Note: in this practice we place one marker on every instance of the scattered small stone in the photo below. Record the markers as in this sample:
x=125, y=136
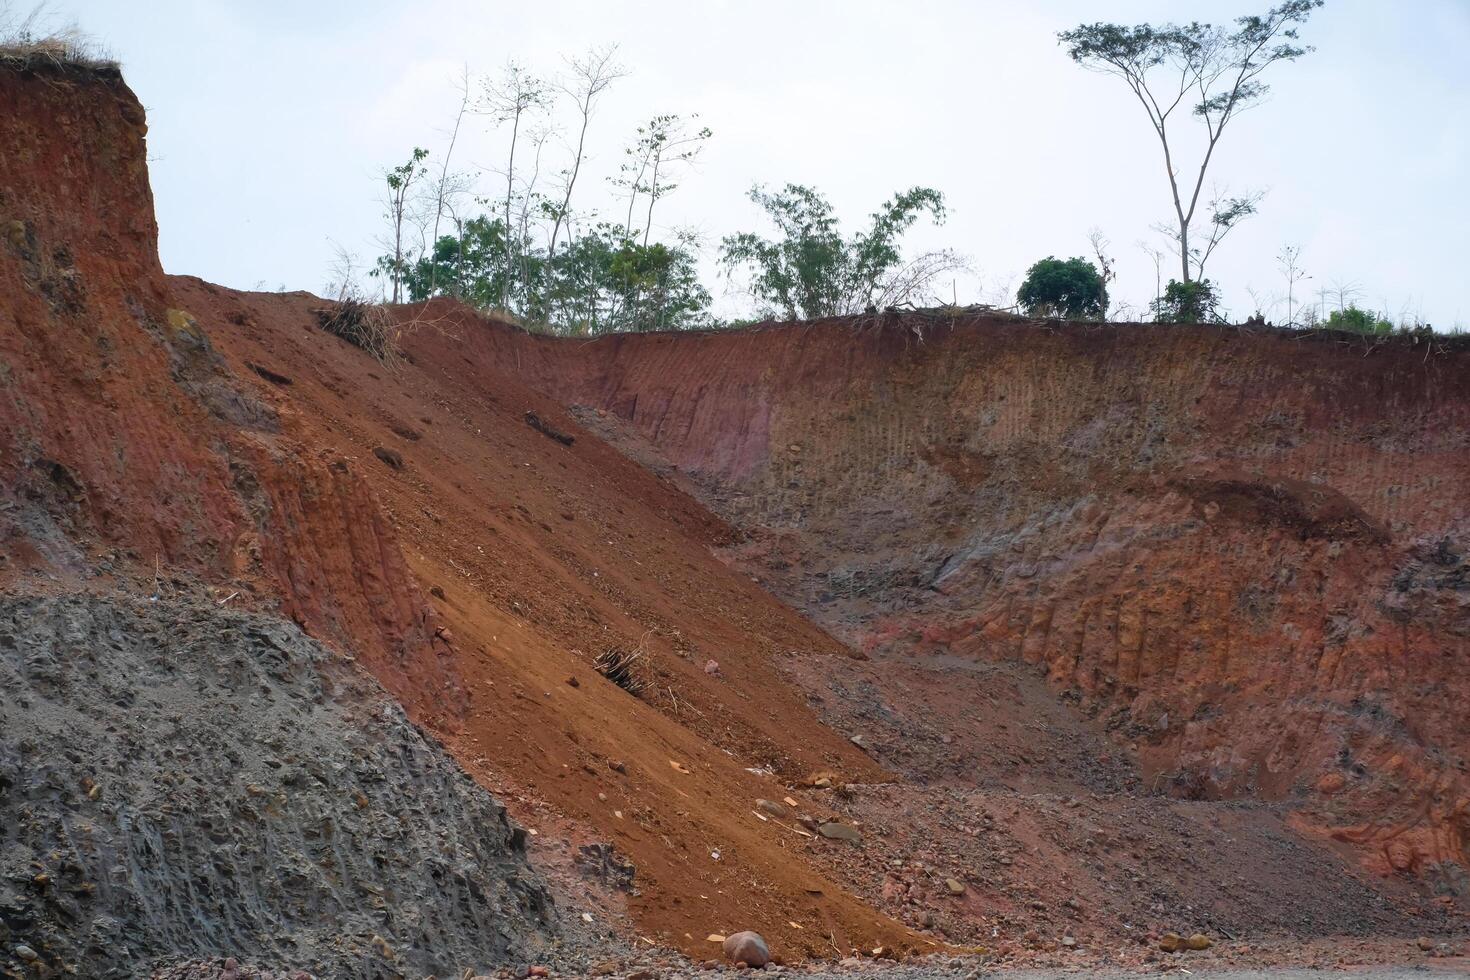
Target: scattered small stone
x=390, y=457
x=771, y=807
x=616, y=766
x=436, y=592
x=839, y=831
x=573, y=682
x=26, y=953
x=712, y=668
x=1171, y=942
x=747, y=948
x=1198, y=941
x=955, y=886
x=1424, y=943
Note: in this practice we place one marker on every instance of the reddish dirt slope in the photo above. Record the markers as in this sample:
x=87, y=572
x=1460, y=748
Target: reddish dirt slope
x=127, y=441
x=167, y=435
x=1244, y=553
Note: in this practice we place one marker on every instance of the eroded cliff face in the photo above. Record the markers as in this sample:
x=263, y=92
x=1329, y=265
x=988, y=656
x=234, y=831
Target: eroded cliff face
x=127, y=445
x=166, y=439
x=1245, y=552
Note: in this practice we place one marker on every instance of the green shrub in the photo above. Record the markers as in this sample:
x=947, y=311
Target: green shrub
x=1355, y=320
x=1072, y=290
x=1196, y=301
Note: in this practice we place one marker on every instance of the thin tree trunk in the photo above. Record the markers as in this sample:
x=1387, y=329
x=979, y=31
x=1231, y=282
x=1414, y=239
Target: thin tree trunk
x=572, y=180
x=397, y=241
x=510, y=171
x=443, y=179
x=652, y=199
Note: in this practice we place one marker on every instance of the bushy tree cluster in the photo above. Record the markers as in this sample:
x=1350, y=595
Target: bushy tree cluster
x=531, y=250
x=518, y=238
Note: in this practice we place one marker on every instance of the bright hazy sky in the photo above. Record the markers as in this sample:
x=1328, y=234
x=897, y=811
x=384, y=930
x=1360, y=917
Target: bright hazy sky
x=270, y=119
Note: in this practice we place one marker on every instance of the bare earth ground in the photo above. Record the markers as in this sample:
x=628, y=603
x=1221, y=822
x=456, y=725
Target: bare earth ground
x=1052, y=835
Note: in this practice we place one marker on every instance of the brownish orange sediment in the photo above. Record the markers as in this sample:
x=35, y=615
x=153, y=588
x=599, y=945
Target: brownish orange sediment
x=1246, y=549
x=1242, y=552
x=139, y=436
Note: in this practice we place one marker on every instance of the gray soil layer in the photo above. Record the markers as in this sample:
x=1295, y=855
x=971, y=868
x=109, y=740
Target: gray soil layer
x=180, y=781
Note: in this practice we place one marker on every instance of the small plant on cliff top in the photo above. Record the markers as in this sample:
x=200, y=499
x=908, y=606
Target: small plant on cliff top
x=1358, y=321
x=1071, y=289
x=29, y=40
x=1196, y=301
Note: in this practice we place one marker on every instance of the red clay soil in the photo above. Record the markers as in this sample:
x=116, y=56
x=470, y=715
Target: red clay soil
x=1243, y=552
x=1238, y=559
x=168, y=435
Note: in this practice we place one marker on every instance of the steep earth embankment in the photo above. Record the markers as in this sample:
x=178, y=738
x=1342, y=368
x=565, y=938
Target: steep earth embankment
x=125, y=442
x=1243, y=552
x=1238, y=555
x=167, y=438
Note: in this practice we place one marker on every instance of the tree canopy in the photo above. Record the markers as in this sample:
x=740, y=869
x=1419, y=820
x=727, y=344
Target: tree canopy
x=810, y=270
x=1071, y=289
x=1209, y=72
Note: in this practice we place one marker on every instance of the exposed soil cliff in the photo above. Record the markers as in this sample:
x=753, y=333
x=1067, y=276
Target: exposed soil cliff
x=1237, y=558
x=125, y=440
x=164, y=436
x=1244, y=552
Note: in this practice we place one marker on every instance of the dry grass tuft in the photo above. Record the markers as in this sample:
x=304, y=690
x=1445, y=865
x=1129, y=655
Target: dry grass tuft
x=368, y=326
x=33, y=41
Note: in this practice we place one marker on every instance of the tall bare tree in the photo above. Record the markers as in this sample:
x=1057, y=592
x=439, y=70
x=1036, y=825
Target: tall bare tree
x=517, y=95
x=449, y=186
x=590, y=77
x=663, y=145
x=399, y=183
x=1211, y=73
x=1290, y=263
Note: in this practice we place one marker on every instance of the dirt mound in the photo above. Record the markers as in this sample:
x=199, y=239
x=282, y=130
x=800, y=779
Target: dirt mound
x=177, y=780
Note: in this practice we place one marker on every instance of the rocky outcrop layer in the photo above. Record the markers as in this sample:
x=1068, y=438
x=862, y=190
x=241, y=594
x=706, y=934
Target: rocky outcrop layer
x=179, y=781
x=1245, y=551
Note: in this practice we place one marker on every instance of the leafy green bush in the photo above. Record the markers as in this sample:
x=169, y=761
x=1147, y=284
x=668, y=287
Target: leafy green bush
x=1196, y=301
x=1071, y=289
x=811, y=271
x=1355, y=320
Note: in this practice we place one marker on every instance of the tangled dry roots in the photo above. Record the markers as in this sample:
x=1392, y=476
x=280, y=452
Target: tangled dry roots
x=621, y=667
x=365, y=325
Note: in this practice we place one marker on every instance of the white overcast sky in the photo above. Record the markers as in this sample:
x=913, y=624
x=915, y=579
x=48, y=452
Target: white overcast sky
x=269, y=120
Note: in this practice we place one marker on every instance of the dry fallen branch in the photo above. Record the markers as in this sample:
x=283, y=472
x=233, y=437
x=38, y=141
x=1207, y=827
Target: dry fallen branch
x=369, y=326
x=620, y=667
